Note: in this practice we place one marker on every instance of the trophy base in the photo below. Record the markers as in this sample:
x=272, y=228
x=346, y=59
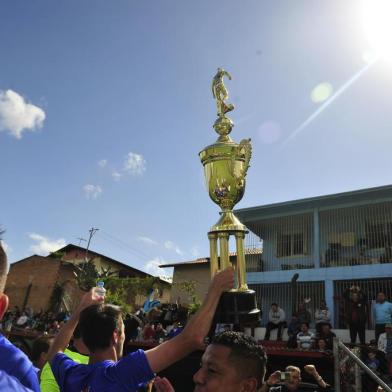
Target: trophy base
x=228, y=222
x=238, y=308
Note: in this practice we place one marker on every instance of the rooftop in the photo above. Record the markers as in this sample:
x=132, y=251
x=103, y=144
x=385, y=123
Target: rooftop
x=206, y=260
x=356, y=197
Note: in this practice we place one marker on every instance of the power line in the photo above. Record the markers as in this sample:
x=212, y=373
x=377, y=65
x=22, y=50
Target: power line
x=124, y=245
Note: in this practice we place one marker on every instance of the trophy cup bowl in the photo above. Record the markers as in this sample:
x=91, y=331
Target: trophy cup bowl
x=225, y=167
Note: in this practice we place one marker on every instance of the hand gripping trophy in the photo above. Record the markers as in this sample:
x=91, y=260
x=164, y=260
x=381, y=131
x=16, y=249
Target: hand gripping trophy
x=225, y=166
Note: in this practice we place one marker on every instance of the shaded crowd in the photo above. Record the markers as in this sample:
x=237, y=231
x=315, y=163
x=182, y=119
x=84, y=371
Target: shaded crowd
x=86, y=352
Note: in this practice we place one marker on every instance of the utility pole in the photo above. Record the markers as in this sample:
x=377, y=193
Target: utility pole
x=92, y=231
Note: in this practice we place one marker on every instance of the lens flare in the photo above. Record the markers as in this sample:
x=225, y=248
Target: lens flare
x=377, y=15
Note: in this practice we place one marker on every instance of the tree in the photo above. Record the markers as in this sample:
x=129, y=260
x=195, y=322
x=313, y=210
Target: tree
x=189, y=287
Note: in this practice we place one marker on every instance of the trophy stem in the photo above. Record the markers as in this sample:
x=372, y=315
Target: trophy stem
x=241, y=267
x=224, y=249
x=213, y=253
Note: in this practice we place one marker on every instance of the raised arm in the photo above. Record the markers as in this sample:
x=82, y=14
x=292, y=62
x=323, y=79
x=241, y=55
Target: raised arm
x=311, y=369
x=197, y=328
x=64, y=336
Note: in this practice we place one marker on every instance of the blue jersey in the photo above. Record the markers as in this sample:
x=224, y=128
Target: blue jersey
x=15, y=363
x=107, y=376
x=10, y=383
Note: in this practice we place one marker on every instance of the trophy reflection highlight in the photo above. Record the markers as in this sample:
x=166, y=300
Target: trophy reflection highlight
x=225, y=166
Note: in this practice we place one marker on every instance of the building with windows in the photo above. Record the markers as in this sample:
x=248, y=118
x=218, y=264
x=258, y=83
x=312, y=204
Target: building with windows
x=331, y=242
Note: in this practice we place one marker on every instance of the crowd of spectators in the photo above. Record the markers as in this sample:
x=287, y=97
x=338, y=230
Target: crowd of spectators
x=84, y=351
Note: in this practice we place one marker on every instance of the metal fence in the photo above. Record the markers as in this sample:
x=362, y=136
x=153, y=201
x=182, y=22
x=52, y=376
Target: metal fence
x=288, y=296
x=370, y=288
x=351, y=373
x=356, y=235
x=349, y=236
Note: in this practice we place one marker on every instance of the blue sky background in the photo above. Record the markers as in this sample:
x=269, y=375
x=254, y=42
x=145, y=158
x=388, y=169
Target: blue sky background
x=126, y=76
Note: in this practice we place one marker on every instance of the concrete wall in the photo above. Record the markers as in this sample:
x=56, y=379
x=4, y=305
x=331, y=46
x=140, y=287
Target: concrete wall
x=198, y=273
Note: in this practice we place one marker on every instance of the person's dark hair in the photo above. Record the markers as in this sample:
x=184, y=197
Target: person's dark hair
x=307, y=324
x=97, y=324
x=249, y=359
x=40, y=345
x=274, y=304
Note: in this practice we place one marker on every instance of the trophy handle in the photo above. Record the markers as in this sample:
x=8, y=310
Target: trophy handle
x=245, y=147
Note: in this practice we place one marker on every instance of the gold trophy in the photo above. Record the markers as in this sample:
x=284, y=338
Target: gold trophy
x=225, y=166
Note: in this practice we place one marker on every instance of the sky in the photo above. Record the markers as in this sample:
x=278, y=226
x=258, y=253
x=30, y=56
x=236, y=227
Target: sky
x=104, y=107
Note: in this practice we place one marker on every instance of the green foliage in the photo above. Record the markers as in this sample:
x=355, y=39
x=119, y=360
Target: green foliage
x=57, y=255
x=123, y=291
x=189, y=287
x=86, y=275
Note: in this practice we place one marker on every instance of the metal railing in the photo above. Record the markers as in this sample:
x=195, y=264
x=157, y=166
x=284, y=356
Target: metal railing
x=370, y=288
x=348, y=236
x=348, y=361
x=288, y=297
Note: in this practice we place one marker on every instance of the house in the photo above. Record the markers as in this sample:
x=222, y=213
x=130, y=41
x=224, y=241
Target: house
x=197, y=272
x=33, y=281
x=318, y=247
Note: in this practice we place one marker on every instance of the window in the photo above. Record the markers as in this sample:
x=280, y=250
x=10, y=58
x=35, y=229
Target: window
x=290, y=244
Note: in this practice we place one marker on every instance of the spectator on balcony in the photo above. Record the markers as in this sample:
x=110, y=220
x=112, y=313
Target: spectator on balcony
x=356, y=313
x=303, y=314
x=276, y=320
x=305, y=338
x=385, y=345
x=322, y=315
x=292, y=330
x=327, y=335
x=382, y=313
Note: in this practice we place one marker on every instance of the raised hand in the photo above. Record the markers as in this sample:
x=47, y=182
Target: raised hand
x=223, y=280
x=163, y=385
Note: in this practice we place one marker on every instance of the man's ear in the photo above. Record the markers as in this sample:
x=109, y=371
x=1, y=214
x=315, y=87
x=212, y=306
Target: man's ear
x=249, y=385
x=115, y=336
x=3, y=305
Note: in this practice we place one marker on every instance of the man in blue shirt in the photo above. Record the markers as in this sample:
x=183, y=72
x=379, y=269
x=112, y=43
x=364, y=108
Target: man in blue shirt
x=102, y=330
x=17, y=373
x=382, y=314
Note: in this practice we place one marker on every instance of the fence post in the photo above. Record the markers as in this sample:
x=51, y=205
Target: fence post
x=336, y=364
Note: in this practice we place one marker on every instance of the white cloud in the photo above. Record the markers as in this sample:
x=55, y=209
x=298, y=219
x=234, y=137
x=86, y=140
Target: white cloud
x=92, y=191
x=152, y=267
x=134, y=164
x=172, y=246
x=103, y=162
x=17, y=115
x=147, y=240
x=116, y=176
x=45, y=245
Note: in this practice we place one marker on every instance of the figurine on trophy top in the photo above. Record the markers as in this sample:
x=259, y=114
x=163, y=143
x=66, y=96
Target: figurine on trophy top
x=223, y=125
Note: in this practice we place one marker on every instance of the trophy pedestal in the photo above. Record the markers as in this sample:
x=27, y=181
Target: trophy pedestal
x=238, y=308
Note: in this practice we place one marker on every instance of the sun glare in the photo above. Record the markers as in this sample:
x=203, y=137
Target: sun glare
x=377, y=16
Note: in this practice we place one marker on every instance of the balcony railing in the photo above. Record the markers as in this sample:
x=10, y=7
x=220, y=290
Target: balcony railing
x=346, y=237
